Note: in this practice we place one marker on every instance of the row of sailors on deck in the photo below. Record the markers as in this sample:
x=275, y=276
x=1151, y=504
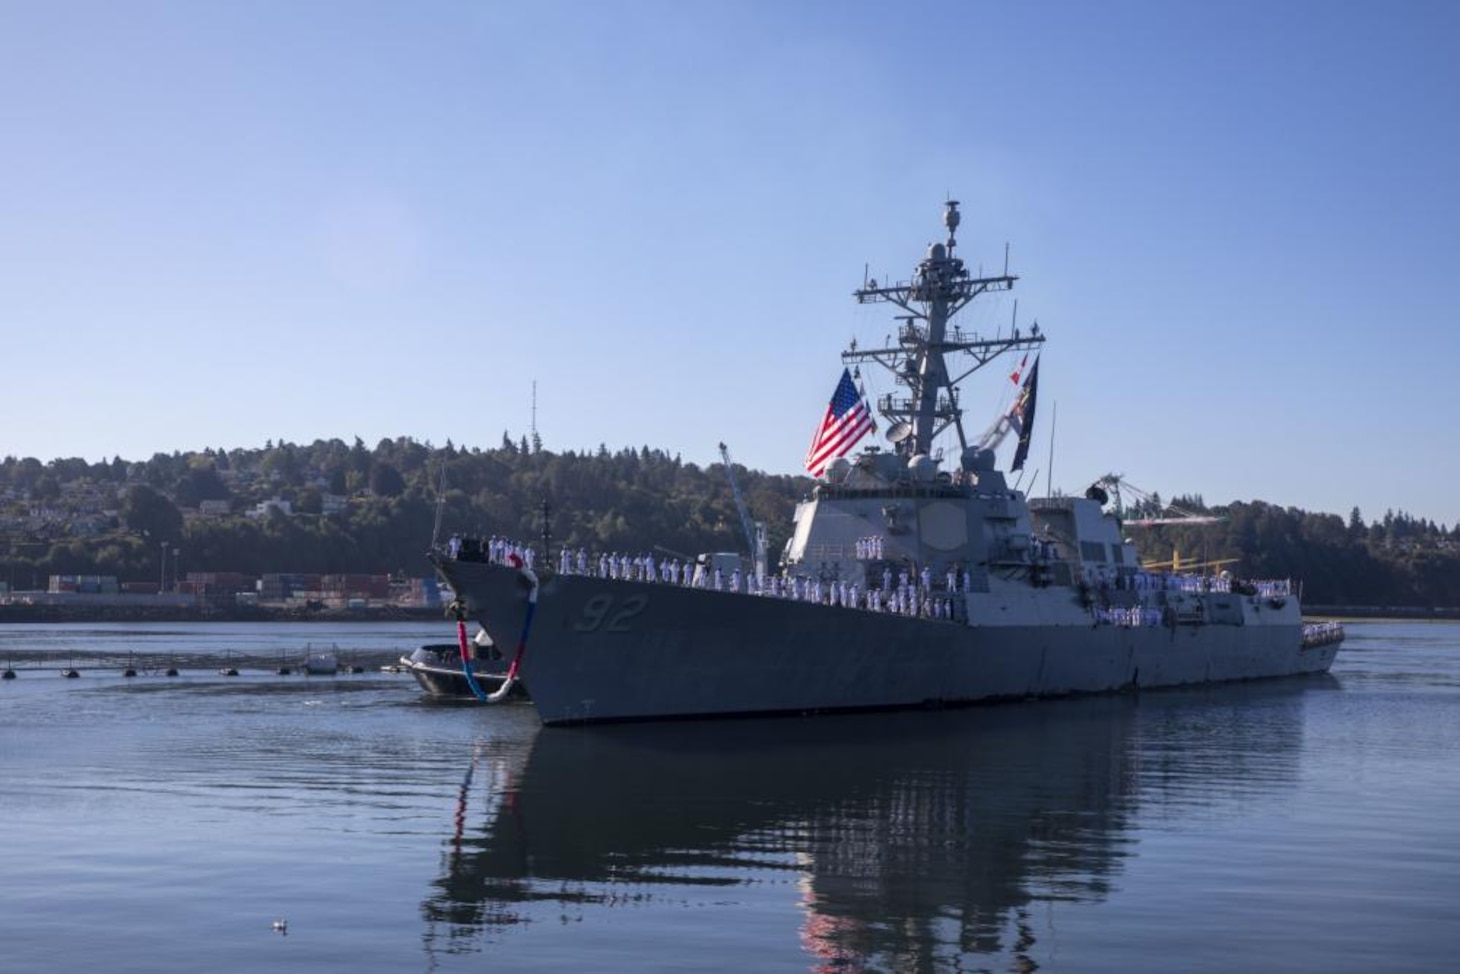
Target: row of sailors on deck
x=900, y=596
x=872, y=549
x=1317, y=633
x=1146, y=615
x=497, y=550
x=644, y=569
x=903, y=593
x=1224, y=583
x=1129, y=616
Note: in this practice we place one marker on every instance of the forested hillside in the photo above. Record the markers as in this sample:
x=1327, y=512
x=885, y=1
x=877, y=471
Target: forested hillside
x=349, y=508
x=345, y=507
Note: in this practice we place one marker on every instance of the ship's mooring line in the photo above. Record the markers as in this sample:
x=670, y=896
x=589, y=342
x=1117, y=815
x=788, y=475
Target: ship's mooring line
x=506, y=687
x=471, y=679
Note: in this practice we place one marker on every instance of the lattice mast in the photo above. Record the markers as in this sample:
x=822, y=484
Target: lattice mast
x=941, y=287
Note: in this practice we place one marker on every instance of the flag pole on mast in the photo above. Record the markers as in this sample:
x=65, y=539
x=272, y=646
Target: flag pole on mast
x=1054, y=415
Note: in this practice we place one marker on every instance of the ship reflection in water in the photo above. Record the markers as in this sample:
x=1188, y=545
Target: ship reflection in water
x=906, y=841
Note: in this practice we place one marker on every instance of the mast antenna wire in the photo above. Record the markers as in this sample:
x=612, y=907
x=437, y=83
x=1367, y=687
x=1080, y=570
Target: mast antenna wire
x=1018, y=484
x=1054, y=415
x=440, y=504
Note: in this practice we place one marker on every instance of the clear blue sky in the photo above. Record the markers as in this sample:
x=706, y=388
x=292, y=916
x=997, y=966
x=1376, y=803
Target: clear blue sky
x=223, y=223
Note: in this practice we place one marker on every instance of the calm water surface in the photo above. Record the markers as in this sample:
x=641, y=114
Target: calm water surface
x=158, y=824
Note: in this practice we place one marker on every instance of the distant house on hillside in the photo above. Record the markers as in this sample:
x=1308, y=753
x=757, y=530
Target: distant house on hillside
x=91, y=525
x=273, y=504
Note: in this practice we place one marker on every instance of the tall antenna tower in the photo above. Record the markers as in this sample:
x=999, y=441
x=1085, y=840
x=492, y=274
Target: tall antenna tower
x=536, y=440
x=940, y=288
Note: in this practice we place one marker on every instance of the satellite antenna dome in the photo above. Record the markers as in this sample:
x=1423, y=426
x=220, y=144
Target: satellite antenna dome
x=898, y=432
x=937, y=251
x=922, y=467
x=838, y=470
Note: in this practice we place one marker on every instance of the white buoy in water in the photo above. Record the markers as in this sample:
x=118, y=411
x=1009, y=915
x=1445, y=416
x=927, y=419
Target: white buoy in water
x=282, y=926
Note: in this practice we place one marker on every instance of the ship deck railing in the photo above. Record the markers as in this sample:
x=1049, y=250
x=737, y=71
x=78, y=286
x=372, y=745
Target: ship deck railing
x=934, y=601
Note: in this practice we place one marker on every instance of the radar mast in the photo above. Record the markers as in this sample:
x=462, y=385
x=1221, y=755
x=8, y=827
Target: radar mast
x=941, y=287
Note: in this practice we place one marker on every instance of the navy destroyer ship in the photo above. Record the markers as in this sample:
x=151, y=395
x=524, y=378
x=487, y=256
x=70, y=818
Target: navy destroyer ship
x=910, y=579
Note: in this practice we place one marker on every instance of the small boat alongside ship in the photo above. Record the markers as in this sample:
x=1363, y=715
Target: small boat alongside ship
x=915, y=574
x=437, y=668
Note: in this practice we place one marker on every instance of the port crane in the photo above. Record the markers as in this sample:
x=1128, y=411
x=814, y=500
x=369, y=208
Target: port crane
x=1167, y=514
x=1179, y=564
x=755, y=534
x=1116, y=483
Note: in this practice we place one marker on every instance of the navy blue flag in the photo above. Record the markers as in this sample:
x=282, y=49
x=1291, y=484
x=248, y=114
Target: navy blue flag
x=1021, y=417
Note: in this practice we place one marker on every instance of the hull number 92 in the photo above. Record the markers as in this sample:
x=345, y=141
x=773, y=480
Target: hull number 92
x=604, y=613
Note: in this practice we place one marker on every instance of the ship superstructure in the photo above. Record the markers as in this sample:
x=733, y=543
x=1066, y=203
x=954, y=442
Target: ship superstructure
x=910, y=578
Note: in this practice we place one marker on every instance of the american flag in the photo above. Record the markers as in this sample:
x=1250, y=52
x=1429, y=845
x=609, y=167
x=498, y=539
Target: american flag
x=847, y=420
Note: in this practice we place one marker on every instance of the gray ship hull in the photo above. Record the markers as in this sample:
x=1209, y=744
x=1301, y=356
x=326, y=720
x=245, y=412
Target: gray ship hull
x=604, y=650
